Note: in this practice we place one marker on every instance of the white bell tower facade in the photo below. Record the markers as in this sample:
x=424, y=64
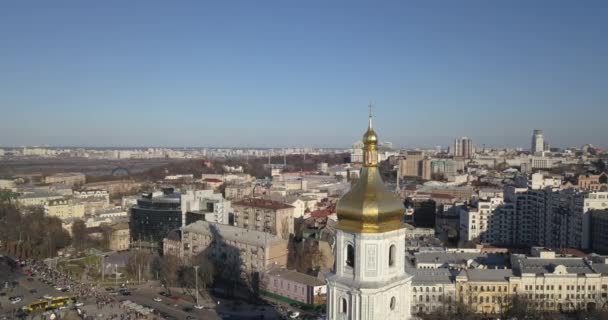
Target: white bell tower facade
x=370, y=280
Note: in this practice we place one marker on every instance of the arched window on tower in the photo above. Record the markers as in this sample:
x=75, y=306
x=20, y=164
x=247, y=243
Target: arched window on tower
x=350, y=256
x=392, y=255
x=344, y=306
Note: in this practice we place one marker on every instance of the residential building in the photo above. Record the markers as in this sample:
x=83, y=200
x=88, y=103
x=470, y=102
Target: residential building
x=264, y=215
x=412, y=165
x=463, y=148
x=235, y=192
x=593, y=182
x=234, y=249
x=489, y=220
x=64, y=209
x=37, y=198
x=599, y=231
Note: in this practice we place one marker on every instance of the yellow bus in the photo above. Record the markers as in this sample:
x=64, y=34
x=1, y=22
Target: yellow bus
x=38, y=305
x=61, y=301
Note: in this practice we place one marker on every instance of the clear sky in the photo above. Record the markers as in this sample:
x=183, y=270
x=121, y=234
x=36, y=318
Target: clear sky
x=301, y=73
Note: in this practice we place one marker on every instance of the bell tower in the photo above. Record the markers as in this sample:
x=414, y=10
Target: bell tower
x=369, y=280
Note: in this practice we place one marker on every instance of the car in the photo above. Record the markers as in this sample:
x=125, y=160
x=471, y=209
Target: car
x=109, y=289
x=79, y=304
x=126, y=293
x=58, y=288
x=33, y=291
x=158, y=299
x=30, y=279
x=199, y=306
x=2, y=294
x=294, y=314
x=65, y=290
x=187, y=309
x=47, y=296
x=190, y=318
x=16, y=300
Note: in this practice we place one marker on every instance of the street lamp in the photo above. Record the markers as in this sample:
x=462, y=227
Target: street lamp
x=196, y=284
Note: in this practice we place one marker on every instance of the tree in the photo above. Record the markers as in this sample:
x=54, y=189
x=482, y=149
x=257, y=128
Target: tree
x=79, y=234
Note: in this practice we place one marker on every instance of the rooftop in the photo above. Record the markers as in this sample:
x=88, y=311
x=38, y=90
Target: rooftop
x=541, y=266
x=232, y=233
x=487, y=275
x=262, y=203
x=430, y=276
x=460, y=258
x=298, y=277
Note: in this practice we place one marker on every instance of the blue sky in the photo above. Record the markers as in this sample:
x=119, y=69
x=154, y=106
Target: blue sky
x=301, y=73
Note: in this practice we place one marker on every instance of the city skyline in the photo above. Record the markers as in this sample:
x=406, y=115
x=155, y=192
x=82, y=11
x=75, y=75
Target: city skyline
x=260, y=75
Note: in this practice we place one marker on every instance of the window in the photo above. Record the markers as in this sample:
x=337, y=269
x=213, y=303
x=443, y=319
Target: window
x=350, y=256
x=393, y=301
x=392, y=255
x=344, y=305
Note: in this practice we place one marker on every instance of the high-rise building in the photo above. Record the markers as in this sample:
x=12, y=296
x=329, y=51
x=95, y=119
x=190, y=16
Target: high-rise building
x=463, y=148
x=369, y=279
x=538, y=141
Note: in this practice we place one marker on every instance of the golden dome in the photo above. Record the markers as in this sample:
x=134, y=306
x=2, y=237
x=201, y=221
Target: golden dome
x=368, y=207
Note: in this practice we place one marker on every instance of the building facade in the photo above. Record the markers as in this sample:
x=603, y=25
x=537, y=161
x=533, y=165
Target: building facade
x=264, y=215
x=234, y=249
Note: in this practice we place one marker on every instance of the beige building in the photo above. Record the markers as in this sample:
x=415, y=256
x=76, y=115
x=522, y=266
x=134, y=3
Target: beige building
x=433, y=290
x=412, y=165
x=119, y=237
x=64, y=209
x=542, y=281
x=38, y=198
x=238, y=249
x=264, y=215
x=70, y=178
x=239, y=191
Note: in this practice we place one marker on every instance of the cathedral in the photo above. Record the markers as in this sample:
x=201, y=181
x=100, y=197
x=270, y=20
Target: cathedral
x=369, y=279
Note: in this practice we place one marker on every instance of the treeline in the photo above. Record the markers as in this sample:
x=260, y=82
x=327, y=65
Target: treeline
x=253, y=166
x=28, y=233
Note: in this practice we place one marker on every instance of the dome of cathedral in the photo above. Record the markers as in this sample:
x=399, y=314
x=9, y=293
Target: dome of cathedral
x=369, y=207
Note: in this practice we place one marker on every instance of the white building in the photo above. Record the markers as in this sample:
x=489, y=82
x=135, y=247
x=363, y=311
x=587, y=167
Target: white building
x=212, y=206
x=538, y=141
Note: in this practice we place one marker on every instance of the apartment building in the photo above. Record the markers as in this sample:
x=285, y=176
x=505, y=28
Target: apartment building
x=64, y=209
x=264, y=215
x=233, y=248
x=37, y=198
x=489, y=220
x=237, y=192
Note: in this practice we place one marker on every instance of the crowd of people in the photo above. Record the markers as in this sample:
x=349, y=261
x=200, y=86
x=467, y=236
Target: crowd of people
x=87, y=293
